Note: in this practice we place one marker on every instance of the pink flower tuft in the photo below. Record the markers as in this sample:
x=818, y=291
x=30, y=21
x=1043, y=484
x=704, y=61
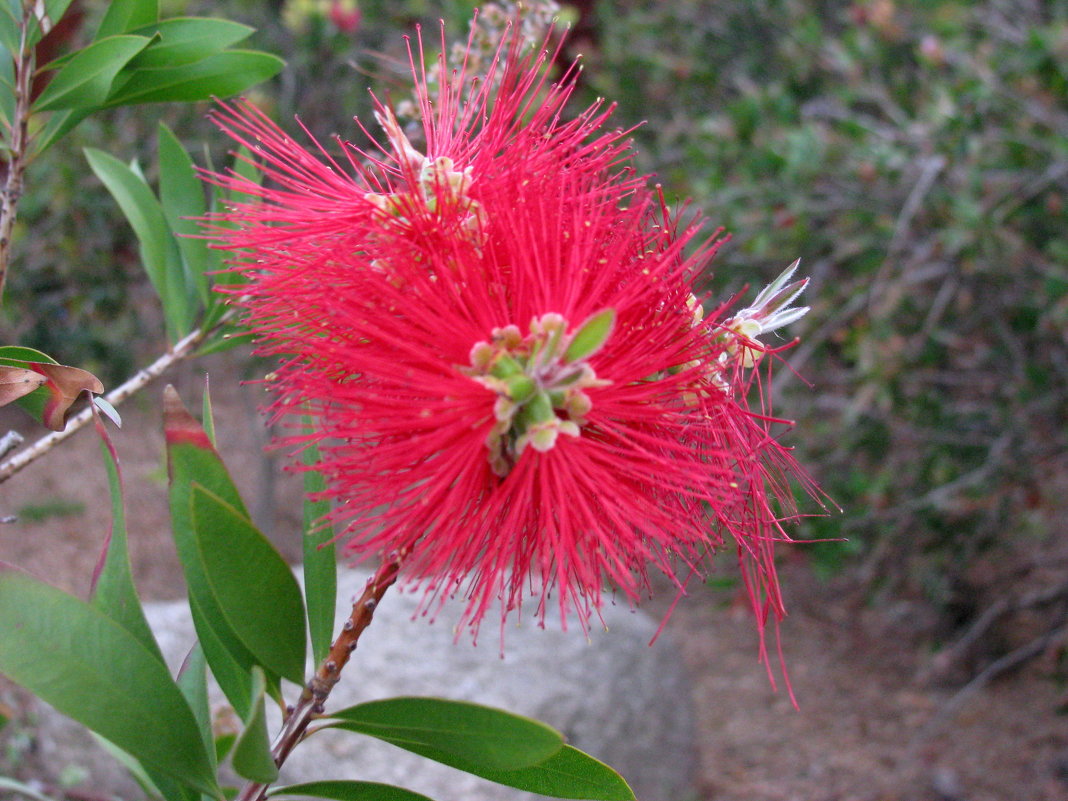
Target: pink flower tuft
x=496, y=332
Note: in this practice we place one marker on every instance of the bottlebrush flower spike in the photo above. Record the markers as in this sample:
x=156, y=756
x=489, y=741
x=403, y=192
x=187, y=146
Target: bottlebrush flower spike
x=492, y=321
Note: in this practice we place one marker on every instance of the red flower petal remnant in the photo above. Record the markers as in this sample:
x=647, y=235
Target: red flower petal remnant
x=497, y=334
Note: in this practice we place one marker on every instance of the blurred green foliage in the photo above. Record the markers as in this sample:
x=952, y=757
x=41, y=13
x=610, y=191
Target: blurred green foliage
x=914, y=154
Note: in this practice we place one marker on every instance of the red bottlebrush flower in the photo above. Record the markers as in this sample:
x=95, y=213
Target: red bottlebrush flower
x=497, y=335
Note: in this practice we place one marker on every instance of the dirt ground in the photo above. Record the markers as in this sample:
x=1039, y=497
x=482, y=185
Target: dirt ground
x=869, y=727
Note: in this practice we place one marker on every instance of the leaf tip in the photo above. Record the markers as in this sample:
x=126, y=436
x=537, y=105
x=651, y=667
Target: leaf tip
x=179, y=426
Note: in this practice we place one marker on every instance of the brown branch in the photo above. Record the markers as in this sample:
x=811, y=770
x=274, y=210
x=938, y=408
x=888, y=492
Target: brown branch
x=11, y=192
x=997, y=611
x=314, y=695
x=1009, y=661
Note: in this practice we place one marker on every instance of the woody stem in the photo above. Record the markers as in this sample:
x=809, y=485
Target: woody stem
x=17, y=144
x=313, y=696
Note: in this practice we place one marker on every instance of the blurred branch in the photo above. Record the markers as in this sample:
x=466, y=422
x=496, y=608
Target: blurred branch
x=1008, y=662
x=986, y=621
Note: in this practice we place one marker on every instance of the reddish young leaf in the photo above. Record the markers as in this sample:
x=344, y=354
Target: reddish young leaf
x=16, y=382
x=64, y=385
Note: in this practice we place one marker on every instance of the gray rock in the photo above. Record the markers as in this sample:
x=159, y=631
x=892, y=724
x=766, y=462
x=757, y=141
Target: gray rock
x=611, y=695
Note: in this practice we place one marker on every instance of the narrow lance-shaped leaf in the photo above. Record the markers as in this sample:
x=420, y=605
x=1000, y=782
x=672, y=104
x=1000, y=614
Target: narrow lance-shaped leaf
x=113, y=591
x=7, y=86
x=231, y=664
x=92, y=669
x=207, y=415
x=251, y=584
x=84, y=81
x=244, y=165
x=491, y=738
x=185, y=40
x=591, y=335
x=221, y=75
x=159, y=251
x=569, y=773
x=152, y=782
x=189, y=454
x=60, y=123
x=320, y=559
x=126, y=15
x=181, y=194
x=9, y=27
x=251, y=756
x=346, y=791
x=193, y=682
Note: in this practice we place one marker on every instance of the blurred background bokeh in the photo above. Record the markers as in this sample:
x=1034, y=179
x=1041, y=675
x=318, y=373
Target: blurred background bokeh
x=913, y=154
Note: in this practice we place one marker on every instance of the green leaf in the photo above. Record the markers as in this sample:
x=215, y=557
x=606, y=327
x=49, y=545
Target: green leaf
x=152, y=782
x=7, y=86
x=221, y=75
x=569, y=773
x=84, y=81
x=59, y=125
x=34, y=402
x=92, y=669
x=126, y=15
x=231, y=664
x=252, y=752
x=159, y=251
x=13, y=354
x=223, y=745
x=189, y=454
x=181, y=193
x=207, y=415
x=591, y=335
x=251, y=584
x=490, y=738
x=348, y=791
x=193, y=682
x=9, y=27
x=244, y=166
x=113, y=591
x=320, y=559
x=185, y=40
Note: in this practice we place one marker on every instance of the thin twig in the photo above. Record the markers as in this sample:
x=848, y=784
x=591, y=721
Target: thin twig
x=181, y=350
x=994, y=613
x=314, y=695
x=1010, y=661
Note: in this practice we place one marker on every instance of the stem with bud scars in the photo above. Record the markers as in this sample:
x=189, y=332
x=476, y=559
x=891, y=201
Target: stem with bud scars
x=17, y=144
x=315, y=692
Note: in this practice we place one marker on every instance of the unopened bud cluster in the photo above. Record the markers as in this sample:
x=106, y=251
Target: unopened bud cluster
x=540, y=381
x=440, y=186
